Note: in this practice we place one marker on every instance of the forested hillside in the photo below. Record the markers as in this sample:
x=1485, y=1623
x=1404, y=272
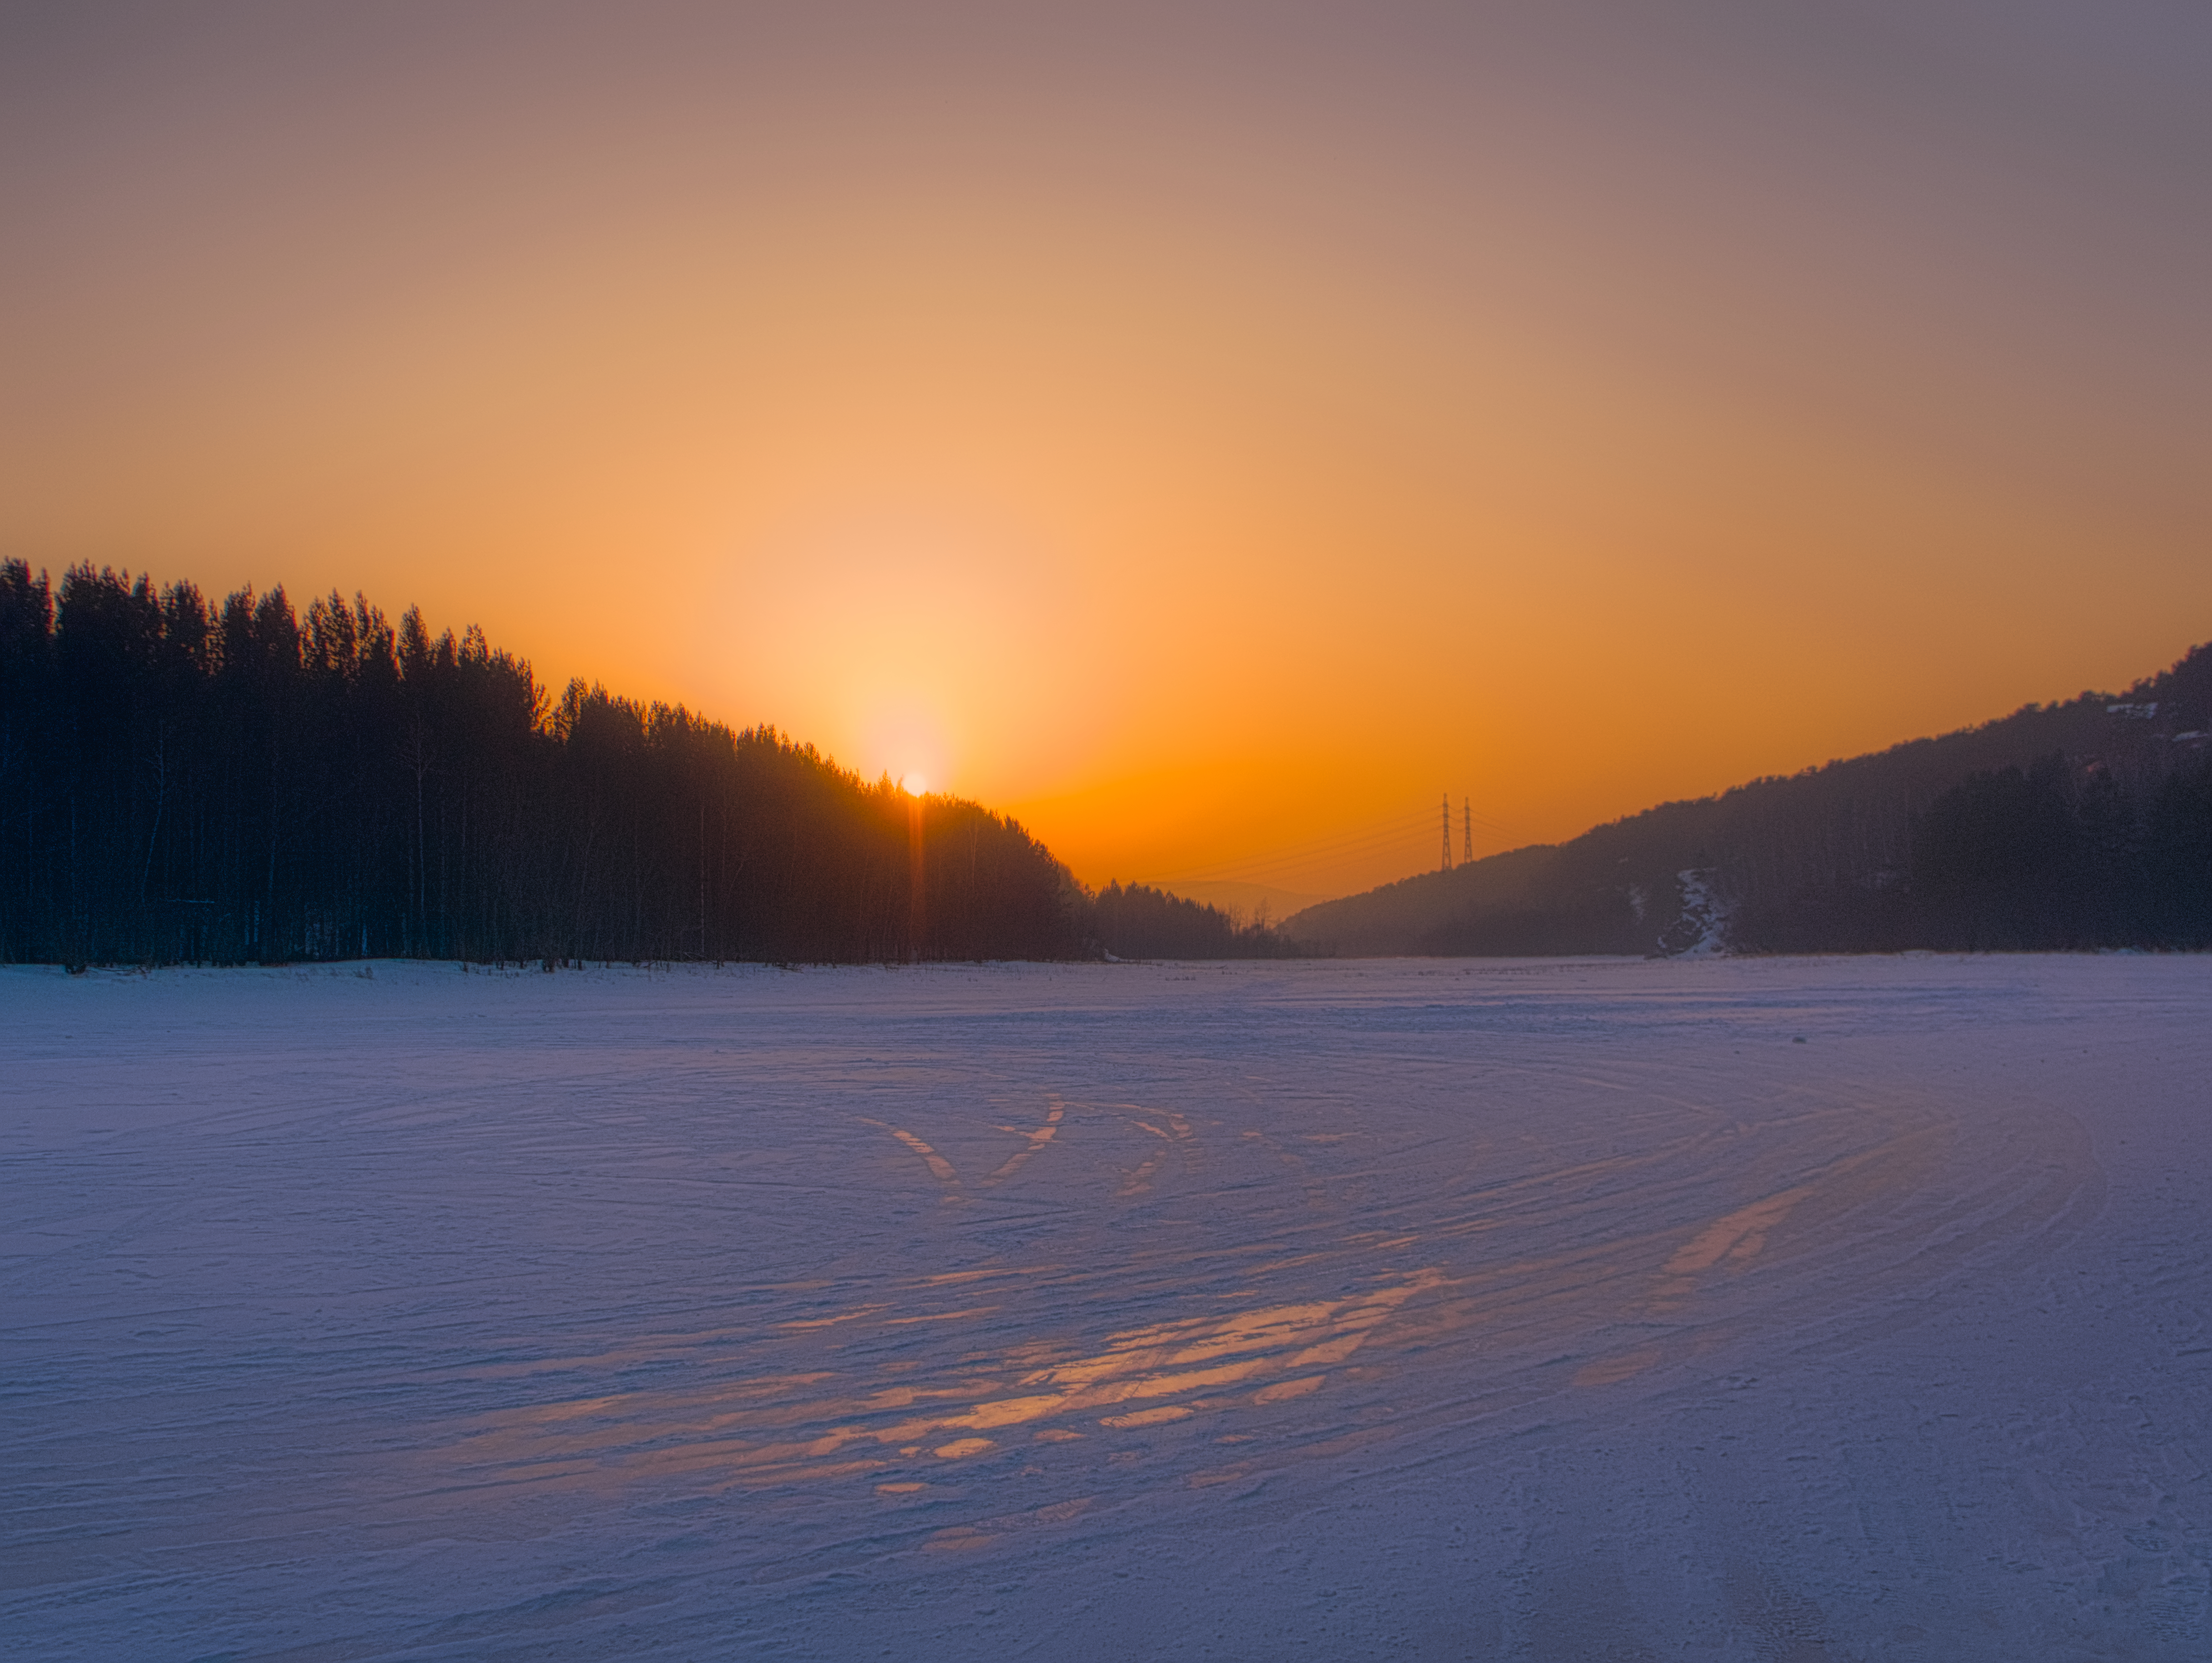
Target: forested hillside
x=1139, y=922
x=188, y=782
x=2084, y=823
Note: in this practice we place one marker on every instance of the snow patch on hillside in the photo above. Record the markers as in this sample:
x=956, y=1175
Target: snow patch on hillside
x=1700, y=930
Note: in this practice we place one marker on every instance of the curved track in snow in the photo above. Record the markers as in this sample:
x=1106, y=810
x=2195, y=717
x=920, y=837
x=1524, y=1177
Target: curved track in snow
x=1777, y=1309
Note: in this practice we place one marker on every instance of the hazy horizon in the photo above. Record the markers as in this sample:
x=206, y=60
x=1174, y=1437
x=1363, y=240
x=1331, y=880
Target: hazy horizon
x=1210, y=436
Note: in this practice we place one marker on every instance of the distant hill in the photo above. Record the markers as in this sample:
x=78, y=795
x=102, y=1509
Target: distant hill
x=235, y=781
x=1138, y=921
x=1251, y=902
x=2083, y=823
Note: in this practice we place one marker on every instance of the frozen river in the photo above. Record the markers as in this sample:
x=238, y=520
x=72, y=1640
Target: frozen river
x=1761, y=1309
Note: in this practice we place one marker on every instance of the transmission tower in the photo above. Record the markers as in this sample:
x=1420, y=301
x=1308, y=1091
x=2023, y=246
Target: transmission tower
x=1467, y=823
x=1447, y=866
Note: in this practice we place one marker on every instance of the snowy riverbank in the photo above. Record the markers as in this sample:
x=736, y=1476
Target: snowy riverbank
x=1407, y=1309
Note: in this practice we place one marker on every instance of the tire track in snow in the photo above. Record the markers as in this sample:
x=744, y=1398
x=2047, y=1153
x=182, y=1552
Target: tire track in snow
x=1036, y=1140
x=451, y=1323
x=1176, y=1135
x=940, y=1168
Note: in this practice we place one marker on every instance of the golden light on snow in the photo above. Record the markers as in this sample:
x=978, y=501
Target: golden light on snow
x=1343, y=1269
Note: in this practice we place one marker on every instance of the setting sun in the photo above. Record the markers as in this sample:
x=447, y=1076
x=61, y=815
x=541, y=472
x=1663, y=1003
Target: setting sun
x=1207, y=468
x=1478, y=1036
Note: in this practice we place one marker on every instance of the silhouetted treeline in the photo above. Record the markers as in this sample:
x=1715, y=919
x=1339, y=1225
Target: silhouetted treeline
x=2057, y=857
x=1139, y=922
x=2079, y=824
x=183, y=781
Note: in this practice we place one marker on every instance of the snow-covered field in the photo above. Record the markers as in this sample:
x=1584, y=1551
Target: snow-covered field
x=1551, y=1310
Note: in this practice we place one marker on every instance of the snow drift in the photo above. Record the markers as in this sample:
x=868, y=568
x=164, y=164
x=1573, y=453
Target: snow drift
x=1771, y=1309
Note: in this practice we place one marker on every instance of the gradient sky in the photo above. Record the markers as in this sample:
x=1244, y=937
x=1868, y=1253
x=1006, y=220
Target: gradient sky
x=1211, y=432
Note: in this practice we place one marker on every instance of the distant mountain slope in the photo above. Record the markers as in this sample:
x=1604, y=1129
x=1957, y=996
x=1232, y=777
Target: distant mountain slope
x=2081, y=824
x=1139, y=922
x=1253, y=903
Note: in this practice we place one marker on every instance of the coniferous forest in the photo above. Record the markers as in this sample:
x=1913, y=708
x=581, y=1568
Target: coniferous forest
x=2077, y=826
x=1137, y=921
x=229, y=782
x=236, y=783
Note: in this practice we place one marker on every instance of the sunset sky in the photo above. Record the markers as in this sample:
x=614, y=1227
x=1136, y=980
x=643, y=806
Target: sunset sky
x=1209, y=432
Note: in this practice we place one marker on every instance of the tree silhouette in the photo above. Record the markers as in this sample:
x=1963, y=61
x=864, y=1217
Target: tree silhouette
x=235, y=783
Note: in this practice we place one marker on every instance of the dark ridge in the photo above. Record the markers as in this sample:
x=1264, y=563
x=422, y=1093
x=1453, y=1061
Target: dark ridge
x=1139, y=922
x=2082, y=825
x=188, y=782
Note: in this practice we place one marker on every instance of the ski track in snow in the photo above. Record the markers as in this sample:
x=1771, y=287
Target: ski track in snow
x=1559, y=1310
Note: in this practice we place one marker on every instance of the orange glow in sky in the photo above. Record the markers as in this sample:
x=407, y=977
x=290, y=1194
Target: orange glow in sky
x=1213, y=434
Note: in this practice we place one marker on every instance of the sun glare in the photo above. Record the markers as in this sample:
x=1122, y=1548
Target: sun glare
x=913, y=784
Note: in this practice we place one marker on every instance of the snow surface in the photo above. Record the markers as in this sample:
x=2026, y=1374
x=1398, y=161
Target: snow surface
x=1701, y=930
x=1406, y=1309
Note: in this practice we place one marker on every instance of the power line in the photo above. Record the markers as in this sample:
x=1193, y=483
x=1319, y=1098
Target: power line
x=1387, y=832
x=1399, y=832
